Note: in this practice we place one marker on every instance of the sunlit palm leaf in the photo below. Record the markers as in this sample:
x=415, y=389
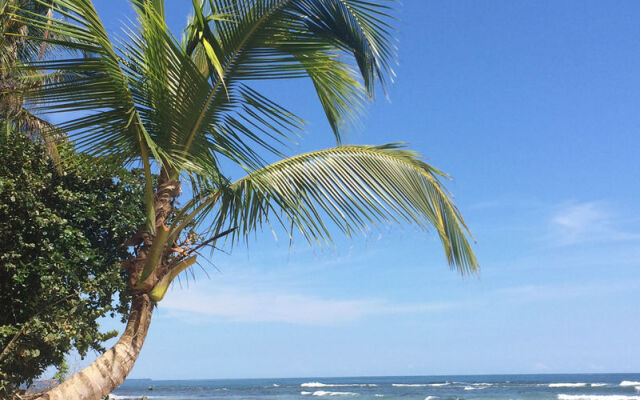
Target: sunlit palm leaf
x=276, y=39
x=360, y=27
x=351, y=186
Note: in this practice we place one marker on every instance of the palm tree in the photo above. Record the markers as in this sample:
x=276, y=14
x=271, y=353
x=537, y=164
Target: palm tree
x=187, y=109
x=14, y=48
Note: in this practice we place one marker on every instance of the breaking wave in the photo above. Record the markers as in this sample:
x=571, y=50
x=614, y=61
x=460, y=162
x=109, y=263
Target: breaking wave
x=580, y=384
x=320, y=384
x=136, y=397
x=475, y=387
x=326, y=393
x=419, y=384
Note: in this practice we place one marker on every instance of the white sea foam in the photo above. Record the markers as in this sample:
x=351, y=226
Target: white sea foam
x=326, y=393
x=596, y=397
x=408, y=384
x=419, y=384
x=580, y=384
x=629, y=383
x=378, y=395
x=598, y=384
x=475, y=387
x=430, y=397
x=305, y=393
x=275, y=385
x=320, y=385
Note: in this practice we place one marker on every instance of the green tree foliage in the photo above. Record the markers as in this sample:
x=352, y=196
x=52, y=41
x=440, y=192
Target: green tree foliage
x=60, y=238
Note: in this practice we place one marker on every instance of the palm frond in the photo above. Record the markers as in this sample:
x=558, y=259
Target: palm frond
x=94, y=84
x=281, y=39
x=351, y=186
x=193, y=120
x=362, y=28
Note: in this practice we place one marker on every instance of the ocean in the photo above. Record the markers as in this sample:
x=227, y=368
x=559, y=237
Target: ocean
x=495, y=387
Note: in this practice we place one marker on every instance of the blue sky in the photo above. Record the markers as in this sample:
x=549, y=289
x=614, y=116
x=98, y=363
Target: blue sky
x=532, y=107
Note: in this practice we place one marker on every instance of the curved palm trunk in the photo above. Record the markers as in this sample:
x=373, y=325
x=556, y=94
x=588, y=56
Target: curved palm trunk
x=109, y=370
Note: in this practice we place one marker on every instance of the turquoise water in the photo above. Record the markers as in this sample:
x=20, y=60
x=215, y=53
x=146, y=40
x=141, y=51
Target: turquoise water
x=497, y=387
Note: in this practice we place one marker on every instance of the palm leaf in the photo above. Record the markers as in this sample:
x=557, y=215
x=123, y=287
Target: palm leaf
x=279, y=39
x=351, y=186
x=93, y=83
x=360, y=27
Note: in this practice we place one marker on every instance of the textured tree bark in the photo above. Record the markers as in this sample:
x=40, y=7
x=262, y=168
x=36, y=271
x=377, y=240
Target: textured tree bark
x=110, y=369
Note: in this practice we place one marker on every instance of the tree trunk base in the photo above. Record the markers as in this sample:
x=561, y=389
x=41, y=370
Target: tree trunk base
x=107, y=372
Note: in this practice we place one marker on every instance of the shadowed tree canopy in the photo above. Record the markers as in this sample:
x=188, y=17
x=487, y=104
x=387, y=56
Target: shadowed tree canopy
x=188, y=108
x=60, y=256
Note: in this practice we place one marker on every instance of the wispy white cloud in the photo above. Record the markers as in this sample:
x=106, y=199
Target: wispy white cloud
x=247, y=305
x=588, y=222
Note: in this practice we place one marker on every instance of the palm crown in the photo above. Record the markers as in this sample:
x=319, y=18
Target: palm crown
x=182, y=107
